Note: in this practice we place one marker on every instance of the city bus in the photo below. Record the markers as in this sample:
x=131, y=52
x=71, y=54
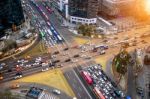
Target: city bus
x=98, y=93
x=87, y=77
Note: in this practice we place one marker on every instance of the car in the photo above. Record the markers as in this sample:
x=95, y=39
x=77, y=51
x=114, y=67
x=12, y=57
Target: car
x=57, y=92
x=1, y=77
x=28, y=65
x=68, y=60
x=56, y=61
x=18, y=75
x=45, y=69
x=3, y=64
x=94, y=50
x=14, y=86
x=89, y=57
x=77, y=55
x=48, y=24
x=1, y=67
x=139, y=90
x=57, y=52
x=83, y=55
x=53, y=56
x=65, y=49
x=102, y=52
x=38, y=59
x=83, y=51
x=74, y=60
x=119, y=93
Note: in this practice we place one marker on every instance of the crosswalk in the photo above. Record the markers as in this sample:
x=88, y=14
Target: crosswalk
x=49, y=96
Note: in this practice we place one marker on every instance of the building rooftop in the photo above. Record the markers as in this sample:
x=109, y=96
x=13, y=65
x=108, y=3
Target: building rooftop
x=34, y=93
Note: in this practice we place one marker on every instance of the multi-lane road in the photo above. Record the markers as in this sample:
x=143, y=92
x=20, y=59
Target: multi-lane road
x=56, y=39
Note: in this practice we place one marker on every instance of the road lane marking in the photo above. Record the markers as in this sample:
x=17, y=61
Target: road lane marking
x=82, y=84
x=79, y=95
x=80, y=89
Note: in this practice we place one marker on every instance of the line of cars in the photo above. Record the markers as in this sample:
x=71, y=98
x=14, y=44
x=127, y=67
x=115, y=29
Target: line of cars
x=101, y=85
x=42, y=27
x=49, y=30
x=51, y=38
x=23, y=66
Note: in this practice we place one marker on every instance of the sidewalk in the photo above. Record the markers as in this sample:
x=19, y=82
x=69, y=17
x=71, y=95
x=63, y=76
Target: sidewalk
x=33, y=43
x=27, y=86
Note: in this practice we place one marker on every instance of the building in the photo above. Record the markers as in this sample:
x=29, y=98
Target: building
x=11, y=14
x=116, y=7
x=38, y=93
x=83, y=11
x=86, y=11
x=35, y=93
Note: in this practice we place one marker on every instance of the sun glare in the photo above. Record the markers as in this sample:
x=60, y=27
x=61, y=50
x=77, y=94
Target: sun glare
x=147, y=6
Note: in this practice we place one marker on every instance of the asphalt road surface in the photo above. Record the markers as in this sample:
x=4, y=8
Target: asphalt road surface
x=67, y=35
x=77, y=85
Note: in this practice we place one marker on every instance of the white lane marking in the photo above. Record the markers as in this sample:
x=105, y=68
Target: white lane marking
x=82, y=85
x=79, y=95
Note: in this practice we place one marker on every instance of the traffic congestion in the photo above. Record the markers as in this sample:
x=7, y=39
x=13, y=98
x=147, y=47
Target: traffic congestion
x=101, y=85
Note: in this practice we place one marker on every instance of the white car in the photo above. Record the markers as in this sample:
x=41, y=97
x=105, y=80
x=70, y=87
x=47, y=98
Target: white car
x=102, y=52
x=18, y=76
x=74, y=60
x=83, y=55
x=45, y=69
x=55, y=91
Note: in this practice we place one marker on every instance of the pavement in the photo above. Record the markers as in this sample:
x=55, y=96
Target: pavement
x=53, y=78
x=77, y=85
x=27, y=86
x=65, y=33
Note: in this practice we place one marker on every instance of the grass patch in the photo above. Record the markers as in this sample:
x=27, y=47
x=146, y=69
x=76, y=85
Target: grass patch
x=101, y=60
x=37, y=50
x=53, y=78
x=81, y=41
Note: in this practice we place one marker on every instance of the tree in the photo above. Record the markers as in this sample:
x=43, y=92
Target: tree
x=86, y=30
x=81, y=29
x=120, y=62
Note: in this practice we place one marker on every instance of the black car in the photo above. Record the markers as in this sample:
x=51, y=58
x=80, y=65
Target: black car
x=139, y=90
x=65, y=49
x=57, y=52
x=77, y=55
x=68, y=60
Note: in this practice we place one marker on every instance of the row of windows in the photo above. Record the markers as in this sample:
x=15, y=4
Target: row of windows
x=84, y=20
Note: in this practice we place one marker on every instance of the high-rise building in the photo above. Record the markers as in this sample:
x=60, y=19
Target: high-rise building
x=116, y=7
x=11, y=13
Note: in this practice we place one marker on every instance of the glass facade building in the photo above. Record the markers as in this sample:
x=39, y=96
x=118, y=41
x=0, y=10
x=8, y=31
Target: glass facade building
x=83, y=11
x=83, y=8
x=78, y=8
x=10, y=13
